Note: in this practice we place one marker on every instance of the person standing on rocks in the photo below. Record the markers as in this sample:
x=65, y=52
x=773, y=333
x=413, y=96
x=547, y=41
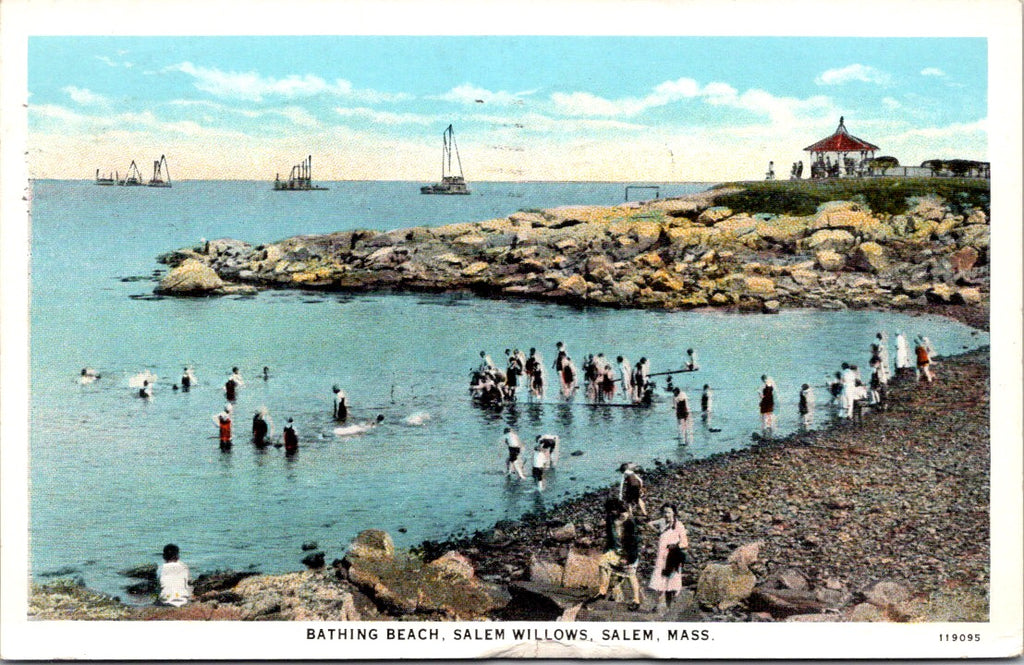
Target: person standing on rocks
x=767, y=406
x=514, y=465
x=223, y=422
x=622, y=550
x=684, y=417
x=806, y=406
x=883, y=356
x=631, y=489
x=667, y=577
x=902, y=353
x=175, y=585
x=924, y=360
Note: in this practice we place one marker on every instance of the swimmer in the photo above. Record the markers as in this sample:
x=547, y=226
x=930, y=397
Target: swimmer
x=146, y=391
x=417, y=419
x=139, y=379
x=266, y=373
x=361, y=428
x=684, y=417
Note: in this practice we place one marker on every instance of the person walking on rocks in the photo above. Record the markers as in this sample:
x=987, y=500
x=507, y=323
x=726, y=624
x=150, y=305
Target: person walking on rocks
x=514, y=465
x=223, y=422
x=806, y=406
x=667, y=578
x=631, y=489
x=883, y=357
x=767, y=406
x=924, y=360
x=902, y=353
x=622, y=550
x=175, y=585
x=684, y=417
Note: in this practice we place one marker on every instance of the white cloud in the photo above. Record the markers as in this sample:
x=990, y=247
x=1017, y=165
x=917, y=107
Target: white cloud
x=298, y=115
x=385, y=117
x=470, y=94
x=891, y=103
x=84, y=96
x=780, y=110
x=536, y=122
x=855, y=72
x=113, y=63
x=253, y=87
x=932, y=71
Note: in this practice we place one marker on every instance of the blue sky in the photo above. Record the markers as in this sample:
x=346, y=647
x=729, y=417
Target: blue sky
x=524, y=108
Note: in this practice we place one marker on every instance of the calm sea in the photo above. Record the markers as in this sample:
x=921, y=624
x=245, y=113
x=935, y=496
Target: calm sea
x=115, y=477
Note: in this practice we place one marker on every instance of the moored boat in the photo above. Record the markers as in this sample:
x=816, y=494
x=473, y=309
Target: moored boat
x=450, y=182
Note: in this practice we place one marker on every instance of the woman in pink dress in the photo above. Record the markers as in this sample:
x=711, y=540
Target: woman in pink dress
x=667, y=576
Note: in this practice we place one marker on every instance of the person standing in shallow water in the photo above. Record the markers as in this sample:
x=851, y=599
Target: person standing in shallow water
x=233, y=383
x=706, y=399
x=767, y=406
x=175, y=585
x=340, y=404
x=262, y=427
x=806, y=406
x=514, y=464
x=291, y=439
x=223, y=422
x=684, y=417
x=667, y=577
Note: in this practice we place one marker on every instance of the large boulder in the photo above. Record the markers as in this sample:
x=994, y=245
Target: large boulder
x=870, y=256
x=721, y=586
x=192, y=277
x=830, y=239
x=829, y=260
x=714, y=215
x=372, y=544
x=581, y=571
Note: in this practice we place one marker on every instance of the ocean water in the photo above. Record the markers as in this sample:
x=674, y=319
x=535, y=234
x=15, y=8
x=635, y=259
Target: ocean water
x=115, y=477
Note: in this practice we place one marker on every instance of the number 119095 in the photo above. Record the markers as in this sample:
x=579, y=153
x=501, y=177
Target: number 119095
x=959, y=637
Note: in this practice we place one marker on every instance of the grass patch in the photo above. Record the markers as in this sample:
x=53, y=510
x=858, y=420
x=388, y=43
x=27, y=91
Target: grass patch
x=882, y=195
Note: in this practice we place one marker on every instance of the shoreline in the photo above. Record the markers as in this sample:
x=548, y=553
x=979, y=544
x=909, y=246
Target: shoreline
x=726, y=507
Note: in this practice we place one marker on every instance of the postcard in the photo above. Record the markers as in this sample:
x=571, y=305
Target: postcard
x=488, y=330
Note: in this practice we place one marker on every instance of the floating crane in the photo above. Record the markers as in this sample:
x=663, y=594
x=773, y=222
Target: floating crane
x=299, y=180
x=159, y=170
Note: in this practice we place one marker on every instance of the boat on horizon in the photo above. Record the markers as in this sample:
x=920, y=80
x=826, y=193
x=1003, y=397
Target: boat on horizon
x=159, y=170
x=299, y=180
x=450, y=183
x=109, y=179
x=133, y=178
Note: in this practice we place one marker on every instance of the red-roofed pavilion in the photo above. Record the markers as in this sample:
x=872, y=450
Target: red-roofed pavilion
x=841, y=144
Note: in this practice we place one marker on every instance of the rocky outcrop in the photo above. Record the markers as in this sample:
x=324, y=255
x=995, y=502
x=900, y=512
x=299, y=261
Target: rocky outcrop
x=402, y=584
x=667, y=254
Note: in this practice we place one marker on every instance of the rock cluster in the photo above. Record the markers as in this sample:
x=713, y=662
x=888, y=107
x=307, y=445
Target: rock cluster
x=673, y=253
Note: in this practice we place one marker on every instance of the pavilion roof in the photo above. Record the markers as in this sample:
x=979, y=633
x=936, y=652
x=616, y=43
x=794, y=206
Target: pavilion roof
x=841, y=141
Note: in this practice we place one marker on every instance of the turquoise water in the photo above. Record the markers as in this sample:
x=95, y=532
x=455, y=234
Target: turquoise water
x=115, y=477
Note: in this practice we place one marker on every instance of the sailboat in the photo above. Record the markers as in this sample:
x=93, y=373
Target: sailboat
x=450, y=183
x=159, y=170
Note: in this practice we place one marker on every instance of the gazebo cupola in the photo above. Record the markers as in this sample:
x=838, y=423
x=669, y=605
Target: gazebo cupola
x=842, y=145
